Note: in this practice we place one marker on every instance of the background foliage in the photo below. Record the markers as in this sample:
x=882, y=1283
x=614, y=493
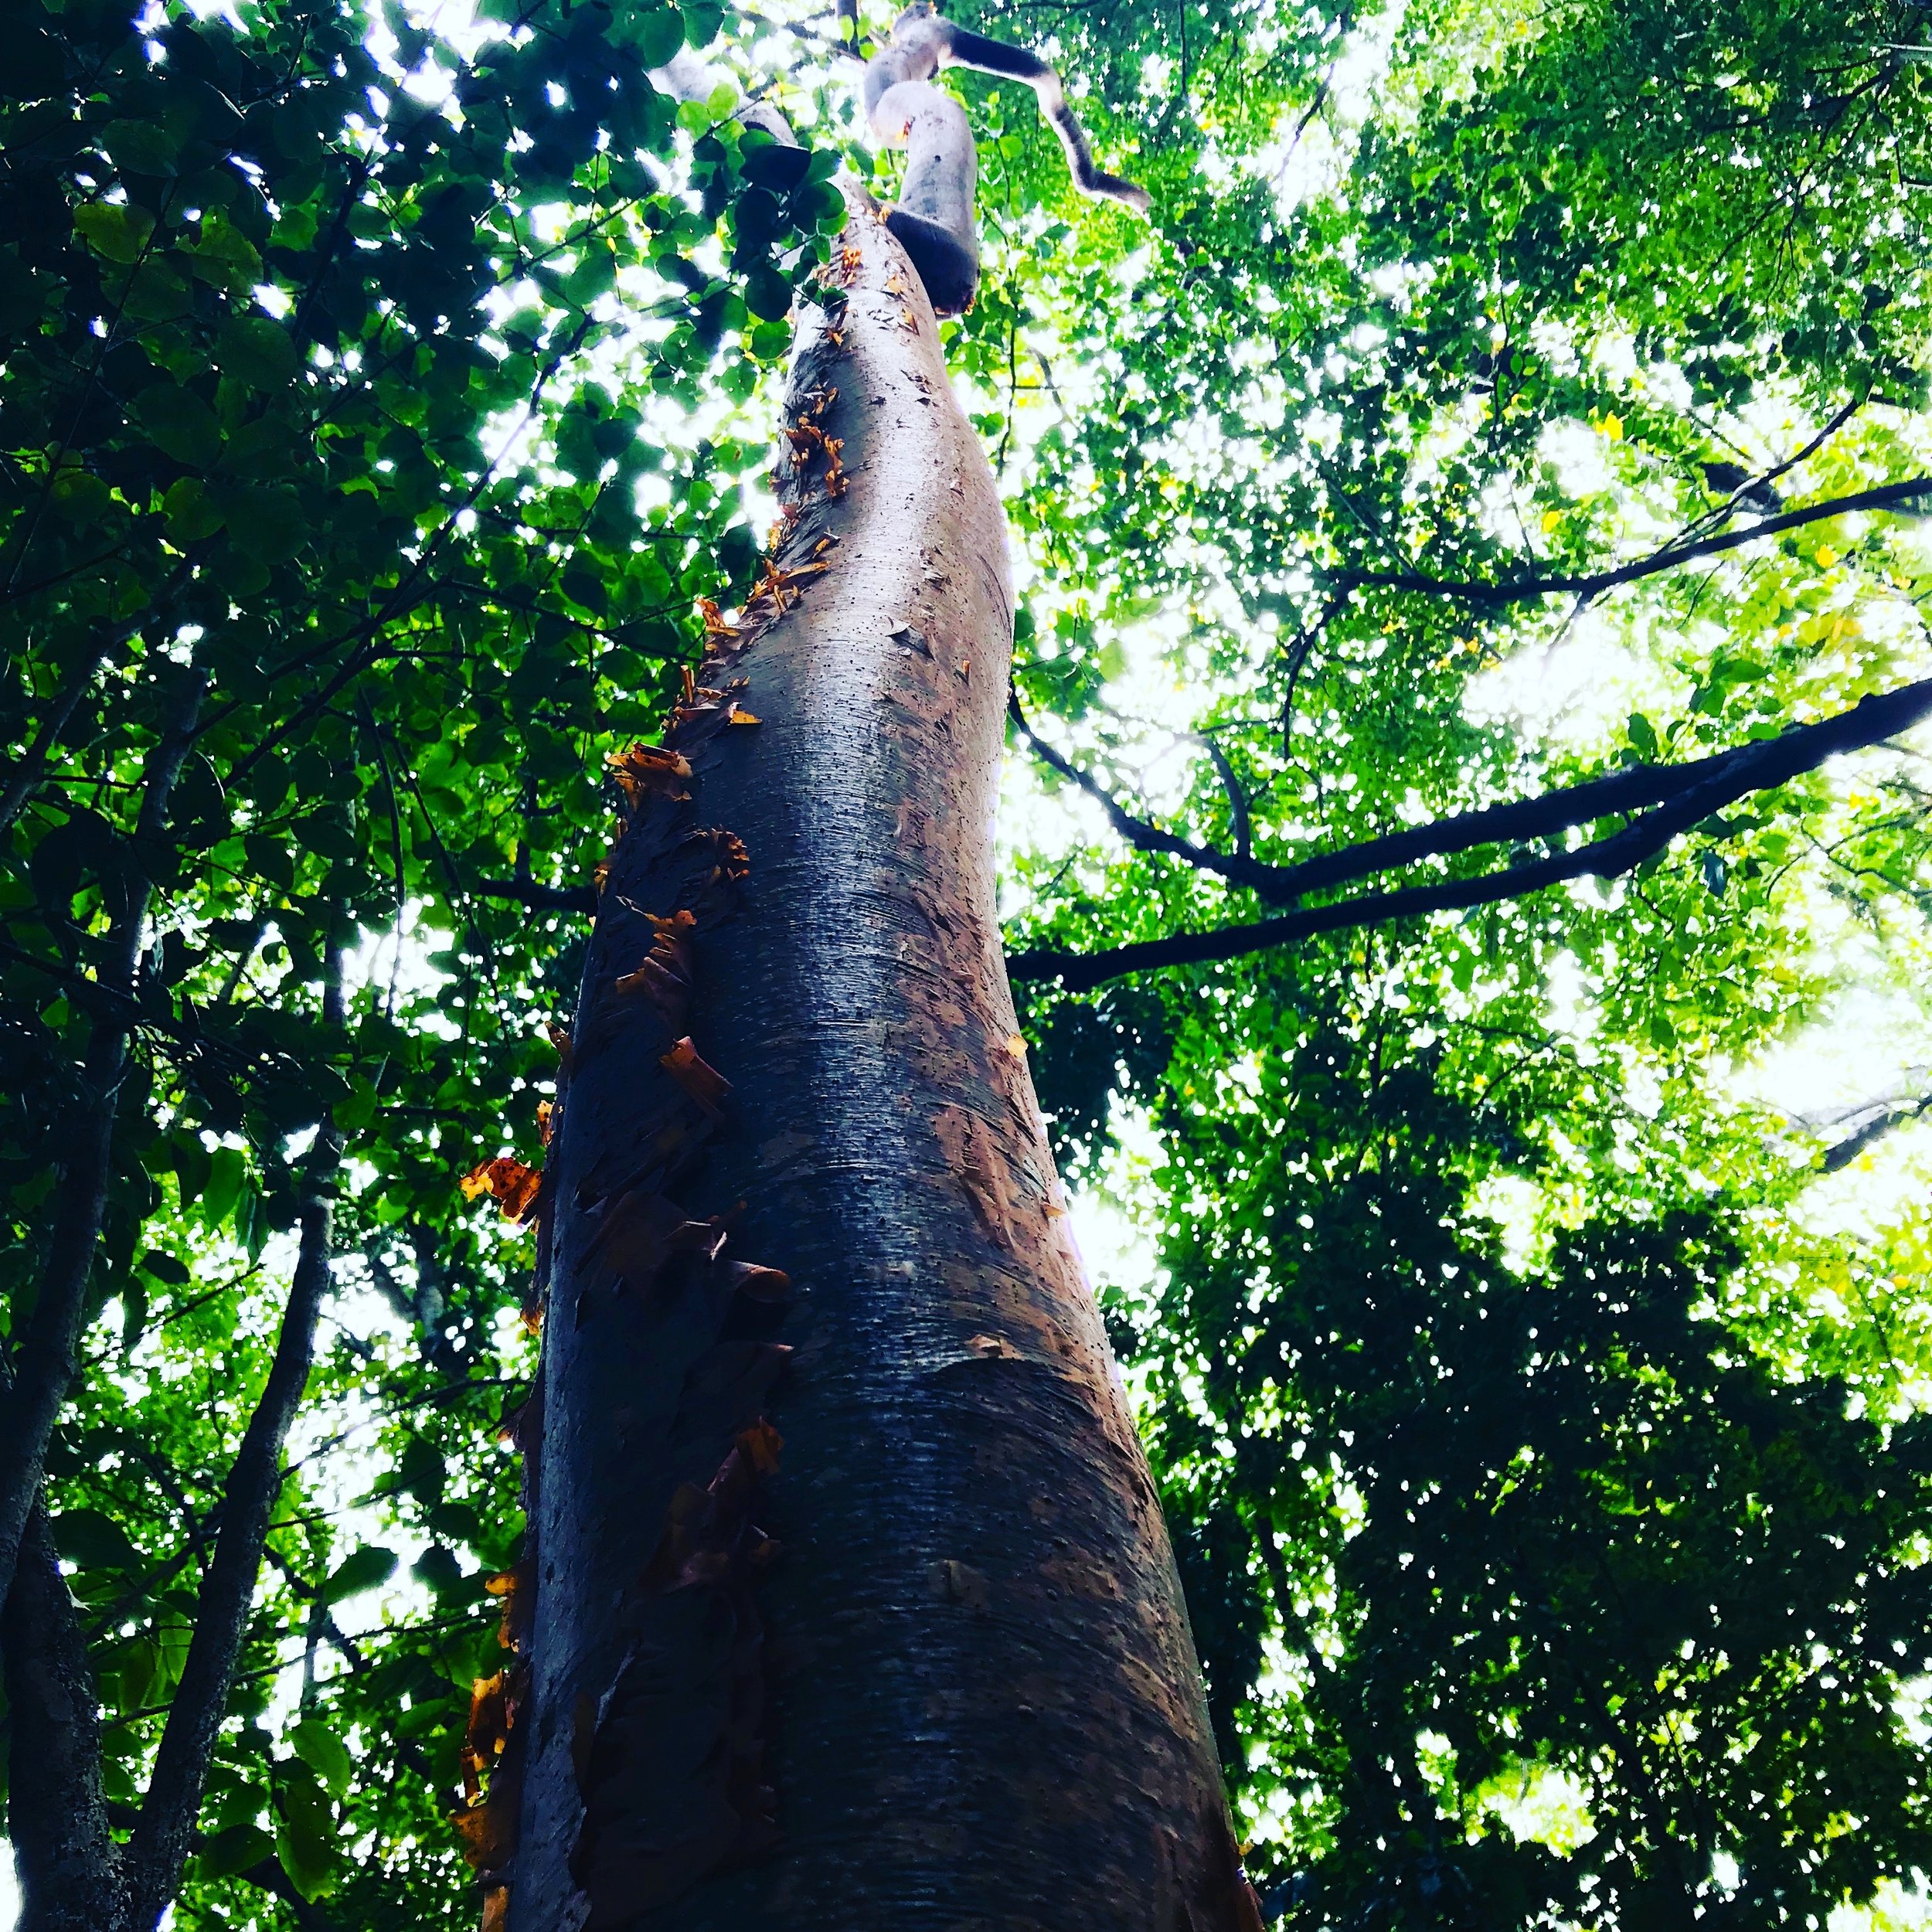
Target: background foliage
x=1537, y=1417
x=369, y=433
x=1532, y=1362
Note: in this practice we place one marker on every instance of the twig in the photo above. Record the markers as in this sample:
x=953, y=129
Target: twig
x=540, y=898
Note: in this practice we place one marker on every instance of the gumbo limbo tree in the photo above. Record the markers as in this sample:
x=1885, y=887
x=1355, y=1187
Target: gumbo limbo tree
x=924, y=1653
x=384, y=408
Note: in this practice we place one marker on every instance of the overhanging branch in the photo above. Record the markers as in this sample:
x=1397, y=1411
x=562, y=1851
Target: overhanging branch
x=1682, y=797
x=540, y=898
x=1841, y=1153
x=1142, y=834
x=1888, y=496
x=45, y=1358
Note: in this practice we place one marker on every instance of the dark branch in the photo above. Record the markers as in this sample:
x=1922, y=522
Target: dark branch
x=1760, y=491
x=423, y=1307
x=1689, y=794
x=527, y=891
x=1634, y=790
x=933, y=218
x=1141, y=834
x=960, y=49
x=1886, y=496
x=1842, y=1153
x=32, y=764
x=1238, y=821
x=45, y=1362
x=163, y=1838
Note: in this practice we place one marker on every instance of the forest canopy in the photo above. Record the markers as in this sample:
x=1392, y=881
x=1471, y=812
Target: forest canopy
x=1463, y=862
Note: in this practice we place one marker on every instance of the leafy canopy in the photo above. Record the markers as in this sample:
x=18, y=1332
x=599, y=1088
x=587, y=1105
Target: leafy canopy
x=1537, y=1423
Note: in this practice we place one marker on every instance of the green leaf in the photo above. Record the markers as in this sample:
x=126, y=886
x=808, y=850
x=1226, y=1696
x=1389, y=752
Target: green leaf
x=703, y=21
x=141, y=147
x=238, y=574
x=325, y=1754
x=114, y=229
x=591, y=276
x=819, y=205
x=767, y=294
x=305, y=1834
x=223, y=255
x=80, y=496
x=182, y=425
x=94, y=1541
x=258, y=349
x=437, y=1569
x=193, y=1168
x=265, y=521
x=165, y=1268
x=775, y=166
x=460, y=1522
x=226, y=1168
x=657, y=33
x=364, y=1569
x=231, y=1851
x=330, y=832
x=191, y=511
x=135, y=1307
x=421, y=1469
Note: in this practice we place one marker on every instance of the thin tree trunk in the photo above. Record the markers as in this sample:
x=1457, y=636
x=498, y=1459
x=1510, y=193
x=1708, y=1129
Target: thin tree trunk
x=70, y=1879
x=163, y=1836
x=960, y=1690
x=45, y=1362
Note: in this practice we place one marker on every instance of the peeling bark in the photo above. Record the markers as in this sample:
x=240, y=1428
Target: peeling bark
x=853, y=1606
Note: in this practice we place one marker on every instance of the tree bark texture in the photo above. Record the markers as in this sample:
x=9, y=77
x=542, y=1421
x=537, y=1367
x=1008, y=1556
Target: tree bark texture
x=70, y=1878
x=848, y=1603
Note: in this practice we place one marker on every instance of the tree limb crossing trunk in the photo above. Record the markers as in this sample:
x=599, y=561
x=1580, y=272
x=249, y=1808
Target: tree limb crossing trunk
x=962, y=1691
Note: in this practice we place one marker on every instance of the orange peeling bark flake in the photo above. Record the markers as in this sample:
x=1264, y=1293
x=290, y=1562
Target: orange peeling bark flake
x=511, y=1185
x=761, y=1444
x=705, y=1084
x=644, y=772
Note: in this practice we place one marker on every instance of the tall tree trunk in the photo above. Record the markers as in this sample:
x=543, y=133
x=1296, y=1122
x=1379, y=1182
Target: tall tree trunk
x=926, y=1663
